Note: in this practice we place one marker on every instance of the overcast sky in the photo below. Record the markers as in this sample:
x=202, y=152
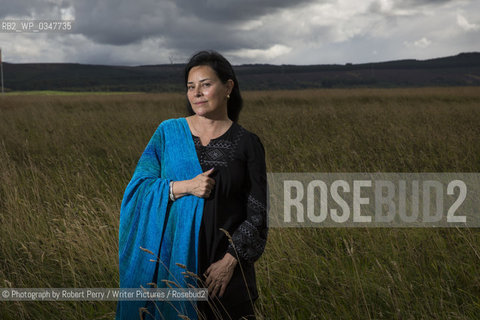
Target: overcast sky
x=138, y=32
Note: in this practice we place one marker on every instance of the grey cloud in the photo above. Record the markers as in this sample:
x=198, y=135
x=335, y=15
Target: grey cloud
x=151, y=31
x=38, y=9
x=110, y=22
x=417, y=3
x=404, y=7
x=181, y=24
x=189, y=35
x=215, y=24
x=234, y=10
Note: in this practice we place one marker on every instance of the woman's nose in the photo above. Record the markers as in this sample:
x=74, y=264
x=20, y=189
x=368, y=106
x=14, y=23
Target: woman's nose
x=198, y=92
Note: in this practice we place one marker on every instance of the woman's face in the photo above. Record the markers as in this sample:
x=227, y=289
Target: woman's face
x=207, y=93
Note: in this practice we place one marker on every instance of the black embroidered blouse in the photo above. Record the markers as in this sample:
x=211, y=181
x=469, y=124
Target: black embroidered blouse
x=237, y=204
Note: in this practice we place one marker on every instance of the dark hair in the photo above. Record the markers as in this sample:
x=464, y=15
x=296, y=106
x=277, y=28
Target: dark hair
x=224, y=71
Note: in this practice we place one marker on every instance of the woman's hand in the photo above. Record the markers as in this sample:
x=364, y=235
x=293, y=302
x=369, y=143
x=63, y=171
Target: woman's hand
x=219, y=274
x=200, y=186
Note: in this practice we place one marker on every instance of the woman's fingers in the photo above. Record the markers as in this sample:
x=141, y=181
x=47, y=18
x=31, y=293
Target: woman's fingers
x=207, y=276
x=213, y=280
x=203, y=184
x=215, y=290
x=218, y=276
x=222, y=290
x=209, y=182
x=213, y=287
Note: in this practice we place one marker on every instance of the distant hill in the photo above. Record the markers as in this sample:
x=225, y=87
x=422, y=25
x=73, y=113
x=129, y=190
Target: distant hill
x=460, y=70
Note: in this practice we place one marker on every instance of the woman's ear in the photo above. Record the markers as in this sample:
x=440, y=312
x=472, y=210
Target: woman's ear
x=230, y=85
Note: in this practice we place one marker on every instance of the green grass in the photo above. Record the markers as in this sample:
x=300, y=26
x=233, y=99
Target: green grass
x=65, y=93
x=65, y=162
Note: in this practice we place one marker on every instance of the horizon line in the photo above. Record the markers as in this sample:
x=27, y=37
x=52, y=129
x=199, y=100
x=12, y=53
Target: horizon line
x=252, y=64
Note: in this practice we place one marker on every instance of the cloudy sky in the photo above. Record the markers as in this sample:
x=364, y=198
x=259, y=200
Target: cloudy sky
x=122, y=32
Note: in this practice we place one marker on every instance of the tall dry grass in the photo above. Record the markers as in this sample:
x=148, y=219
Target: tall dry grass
x=65, y=162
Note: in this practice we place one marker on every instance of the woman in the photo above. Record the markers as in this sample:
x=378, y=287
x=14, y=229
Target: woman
x=200, y=179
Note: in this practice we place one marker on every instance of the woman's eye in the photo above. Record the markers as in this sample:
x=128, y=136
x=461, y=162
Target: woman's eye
x=206, y=84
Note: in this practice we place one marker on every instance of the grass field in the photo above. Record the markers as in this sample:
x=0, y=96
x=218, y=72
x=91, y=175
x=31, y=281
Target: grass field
x=64, y=93
x=65, y=161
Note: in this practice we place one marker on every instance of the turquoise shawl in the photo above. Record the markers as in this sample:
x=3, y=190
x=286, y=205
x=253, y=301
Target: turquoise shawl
x=144, y=218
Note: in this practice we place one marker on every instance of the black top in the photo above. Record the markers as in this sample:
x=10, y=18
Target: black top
x=237, y=204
